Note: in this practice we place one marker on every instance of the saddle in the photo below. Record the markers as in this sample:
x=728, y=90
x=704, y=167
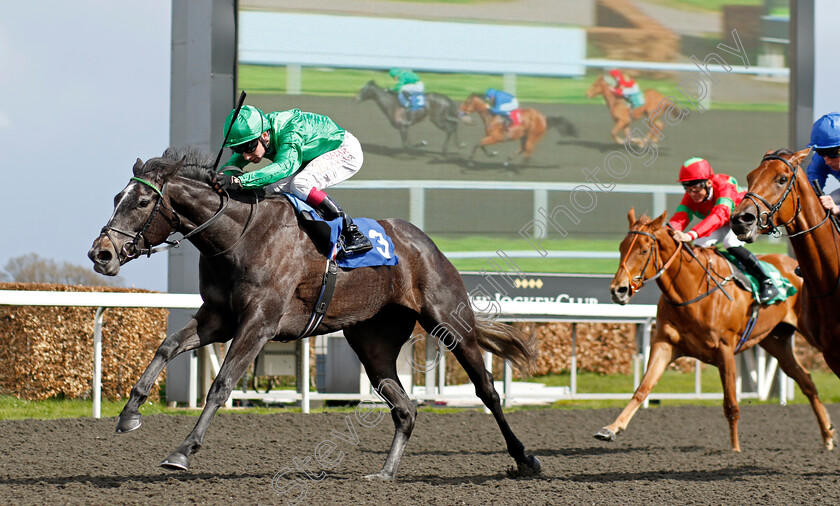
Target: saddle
x=749, y=283
x=416, y=101
x=325, y=236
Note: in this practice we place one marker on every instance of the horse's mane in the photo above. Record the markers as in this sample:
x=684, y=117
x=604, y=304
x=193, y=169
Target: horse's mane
x=778, y=152
x=197, y=163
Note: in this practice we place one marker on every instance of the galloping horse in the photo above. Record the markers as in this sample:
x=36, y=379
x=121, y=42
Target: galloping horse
x=654, y=106
x=442, y=111
x=779, y=196
x=694, y=318
x=529, y=131
x=260, y=276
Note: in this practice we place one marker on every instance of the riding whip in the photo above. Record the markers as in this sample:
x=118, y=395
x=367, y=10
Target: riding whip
x=227, y=134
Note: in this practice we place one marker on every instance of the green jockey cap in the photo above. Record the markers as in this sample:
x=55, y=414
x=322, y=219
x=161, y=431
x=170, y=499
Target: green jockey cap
x=394, y=72
x=249, y=124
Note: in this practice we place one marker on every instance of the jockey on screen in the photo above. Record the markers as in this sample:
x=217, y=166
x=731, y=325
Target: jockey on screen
x=712, y=197
x=408, y=86
x=309, y=153
x=502, y=104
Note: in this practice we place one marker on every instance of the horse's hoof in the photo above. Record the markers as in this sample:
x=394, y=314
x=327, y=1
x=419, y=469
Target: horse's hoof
x=128, y=423
x=381, y=475
x=529, y=467
x=605, y=434
x=422, y=144
x=494, y=153
x=176, y=461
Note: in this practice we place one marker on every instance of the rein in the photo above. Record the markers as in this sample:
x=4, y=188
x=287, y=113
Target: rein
x=636, y=286
x=136, y=251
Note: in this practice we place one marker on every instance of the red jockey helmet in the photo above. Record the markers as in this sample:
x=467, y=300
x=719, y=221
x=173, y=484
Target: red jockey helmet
x=616, y=73
x=695, y=169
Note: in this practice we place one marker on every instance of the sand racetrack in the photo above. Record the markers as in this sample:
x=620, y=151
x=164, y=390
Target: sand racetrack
x=669, y=455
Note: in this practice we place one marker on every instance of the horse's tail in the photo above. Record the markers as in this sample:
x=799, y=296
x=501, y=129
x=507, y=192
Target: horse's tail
x=448, y=109
x=562, y=125
x=508, y=342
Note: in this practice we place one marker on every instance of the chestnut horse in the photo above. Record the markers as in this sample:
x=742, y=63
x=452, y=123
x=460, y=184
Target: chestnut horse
x=260, y=276
x=695, y=318
x=654, y=106
x=780, y=196
x=529, y=131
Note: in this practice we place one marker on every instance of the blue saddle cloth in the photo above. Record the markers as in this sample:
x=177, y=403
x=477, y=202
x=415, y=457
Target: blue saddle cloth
x=383, y=248
x=414, y=101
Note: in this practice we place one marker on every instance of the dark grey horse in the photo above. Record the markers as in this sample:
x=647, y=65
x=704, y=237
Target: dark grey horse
x=260, y=275
x=442, y=111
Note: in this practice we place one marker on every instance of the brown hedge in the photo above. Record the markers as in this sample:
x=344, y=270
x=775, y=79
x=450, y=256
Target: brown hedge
x=48, y=351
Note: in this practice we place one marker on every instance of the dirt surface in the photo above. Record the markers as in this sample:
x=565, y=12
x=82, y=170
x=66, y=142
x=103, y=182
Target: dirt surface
x=670, y=455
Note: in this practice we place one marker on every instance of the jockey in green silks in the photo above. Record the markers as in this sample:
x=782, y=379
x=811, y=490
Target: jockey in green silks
x=309, y=152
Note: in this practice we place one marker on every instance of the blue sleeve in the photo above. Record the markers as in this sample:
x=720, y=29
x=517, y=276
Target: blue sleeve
x=817, y=170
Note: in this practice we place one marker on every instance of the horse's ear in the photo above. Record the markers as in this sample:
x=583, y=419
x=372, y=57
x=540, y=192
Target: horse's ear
x=631, y=216
x=799, y=156
x=657, y=223
x=172, y=169
x=138, y=166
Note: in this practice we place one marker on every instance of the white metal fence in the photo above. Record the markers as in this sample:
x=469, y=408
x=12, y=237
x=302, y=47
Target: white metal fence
x=761, y=369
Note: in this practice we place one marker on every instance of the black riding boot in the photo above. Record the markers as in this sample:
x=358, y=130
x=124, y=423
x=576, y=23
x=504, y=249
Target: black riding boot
x=353, y=240
x=766, y=290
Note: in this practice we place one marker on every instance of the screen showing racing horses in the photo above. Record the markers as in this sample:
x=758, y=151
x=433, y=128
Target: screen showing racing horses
x=483, y=119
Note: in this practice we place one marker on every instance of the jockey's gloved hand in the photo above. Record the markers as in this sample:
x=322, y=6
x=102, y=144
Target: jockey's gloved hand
x=682, y=236
x=225, y=182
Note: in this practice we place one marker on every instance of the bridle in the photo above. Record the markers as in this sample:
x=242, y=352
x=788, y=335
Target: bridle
x=768, y=224
x=132, y=249
x=637, y=282
x=765, y=218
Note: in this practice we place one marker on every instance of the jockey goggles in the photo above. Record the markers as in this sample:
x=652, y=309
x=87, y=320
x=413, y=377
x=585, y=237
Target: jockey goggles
x=695, y=186
x=829, y=152
x=246, y=147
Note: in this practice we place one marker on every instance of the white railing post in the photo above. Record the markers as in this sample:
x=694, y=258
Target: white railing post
x=96, y=394
x=304, y=363
x=417, y=206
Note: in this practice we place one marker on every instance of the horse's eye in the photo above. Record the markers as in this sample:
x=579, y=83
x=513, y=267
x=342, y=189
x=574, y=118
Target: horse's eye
x=643, y=252
x=783, y=179
x=144, y=203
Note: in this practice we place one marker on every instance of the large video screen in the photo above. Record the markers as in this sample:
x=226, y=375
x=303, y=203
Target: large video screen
x=713, y=83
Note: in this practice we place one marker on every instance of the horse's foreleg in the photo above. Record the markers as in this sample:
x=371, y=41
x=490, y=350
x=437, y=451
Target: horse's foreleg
x=728, y=373
x=661, y=354
x=778, y=344
x=244, y=348
x=200, y=330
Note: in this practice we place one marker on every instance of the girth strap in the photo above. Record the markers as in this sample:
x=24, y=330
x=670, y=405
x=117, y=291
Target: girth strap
x=324, y=298
x=750, y=326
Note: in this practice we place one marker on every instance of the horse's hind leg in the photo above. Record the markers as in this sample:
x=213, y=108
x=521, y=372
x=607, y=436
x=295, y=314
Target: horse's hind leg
x=778, y=344
x=202, y=329
x=661, y=354
x=460, y=337
x=377, y=343
x=469, y=355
